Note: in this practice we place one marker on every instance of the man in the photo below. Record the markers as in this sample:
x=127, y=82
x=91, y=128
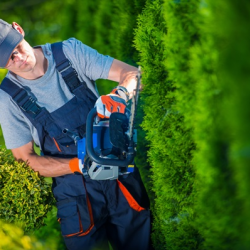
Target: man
x=48, y=89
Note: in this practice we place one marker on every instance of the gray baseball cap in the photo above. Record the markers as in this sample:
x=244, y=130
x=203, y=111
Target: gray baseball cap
x=9, y=39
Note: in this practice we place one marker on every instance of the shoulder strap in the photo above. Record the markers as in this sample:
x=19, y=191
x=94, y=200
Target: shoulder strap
x=21, y=97
x=69, y=74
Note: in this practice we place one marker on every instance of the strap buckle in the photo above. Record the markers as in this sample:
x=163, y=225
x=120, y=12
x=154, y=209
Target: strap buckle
x=31, y=106
x=64, y=65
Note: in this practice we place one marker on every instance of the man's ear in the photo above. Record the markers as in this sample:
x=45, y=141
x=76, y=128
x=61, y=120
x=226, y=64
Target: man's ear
x=17, y=27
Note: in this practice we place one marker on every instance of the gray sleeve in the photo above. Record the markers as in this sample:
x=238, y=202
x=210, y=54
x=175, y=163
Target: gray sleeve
x=87, y=60
x=15, y=130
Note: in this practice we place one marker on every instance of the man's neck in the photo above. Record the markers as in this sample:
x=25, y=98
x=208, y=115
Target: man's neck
x=39, y=68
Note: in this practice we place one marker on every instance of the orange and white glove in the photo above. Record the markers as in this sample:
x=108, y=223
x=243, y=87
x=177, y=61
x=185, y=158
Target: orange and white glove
x=76, y=165
x=114, y=102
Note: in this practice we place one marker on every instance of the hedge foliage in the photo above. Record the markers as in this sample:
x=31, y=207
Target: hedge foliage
x=222, y=175
x=170, y=142
x=197, y=158
x=25, y=196
x=13, y=237
x=148, y=39
x=50, y=233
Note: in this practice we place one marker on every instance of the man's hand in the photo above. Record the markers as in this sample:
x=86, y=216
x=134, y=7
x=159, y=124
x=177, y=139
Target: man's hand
x=75, y=165
x=113, y=102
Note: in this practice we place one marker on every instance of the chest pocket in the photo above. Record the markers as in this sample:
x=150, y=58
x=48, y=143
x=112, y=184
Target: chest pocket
x=60, y=129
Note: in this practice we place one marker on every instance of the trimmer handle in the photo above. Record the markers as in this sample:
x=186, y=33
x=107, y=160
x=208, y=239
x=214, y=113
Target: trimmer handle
x=90, y=149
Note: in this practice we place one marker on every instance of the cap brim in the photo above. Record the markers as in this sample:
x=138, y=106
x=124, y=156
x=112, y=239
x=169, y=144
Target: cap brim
x=8, y=45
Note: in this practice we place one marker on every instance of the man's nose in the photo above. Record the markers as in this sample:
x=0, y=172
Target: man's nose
x=16, y=56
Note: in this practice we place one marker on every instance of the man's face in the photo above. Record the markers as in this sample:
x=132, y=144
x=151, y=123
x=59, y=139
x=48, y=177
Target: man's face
x=22, y=58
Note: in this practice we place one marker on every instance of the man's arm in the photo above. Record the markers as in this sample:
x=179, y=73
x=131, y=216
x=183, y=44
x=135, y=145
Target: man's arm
x=123, y=73
x=47, y=166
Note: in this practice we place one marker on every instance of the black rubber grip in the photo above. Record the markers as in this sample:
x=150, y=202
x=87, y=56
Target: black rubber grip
x=91, y=152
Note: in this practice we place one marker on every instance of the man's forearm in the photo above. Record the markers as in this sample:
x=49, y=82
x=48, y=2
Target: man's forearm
x=124, y=74
x=48, y=166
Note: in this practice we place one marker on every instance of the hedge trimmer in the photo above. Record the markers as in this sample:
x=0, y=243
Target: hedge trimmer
x=108, y=150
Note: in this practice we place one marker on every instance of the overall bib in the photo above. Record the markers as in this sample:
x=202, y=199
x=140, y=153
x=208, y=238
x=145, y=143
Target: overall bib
x=90, y=212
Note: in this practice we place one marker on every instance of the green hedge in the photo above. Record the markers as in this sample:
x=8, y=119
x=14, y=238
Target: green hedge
x=170, y=142
x=25, y=196
x=194, y=117
x=50, y=233
x=13, y=237
x=221, y=130
x=234, y=77
x=147, y=42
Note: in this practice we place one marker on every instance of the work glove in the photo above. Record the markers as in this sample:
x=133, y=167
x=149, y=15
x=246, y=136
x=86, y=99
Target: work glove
x=114, y=102
x=76, y=165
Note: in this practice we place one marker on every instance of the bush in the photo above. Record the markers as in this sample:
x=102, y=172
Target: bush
x=222, y=206
x=25, y=196
x=191, y=65
x=148, y=41
x=50, y=233
x=13, y=237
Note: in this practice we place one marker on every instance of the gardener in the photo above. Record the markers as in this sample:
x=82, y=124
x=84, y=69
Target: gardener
x=49, y=88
